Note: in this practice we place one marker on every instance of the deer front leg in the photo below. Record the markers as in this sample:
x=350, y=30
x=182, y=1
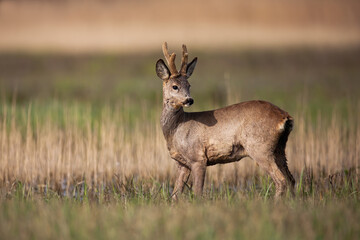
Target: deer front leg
x=183, y=176
x=199, y=170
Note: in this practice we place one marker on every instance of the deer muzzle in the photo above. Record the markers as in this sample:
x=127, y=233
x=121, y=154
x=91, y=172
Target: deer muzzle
x=188, y=102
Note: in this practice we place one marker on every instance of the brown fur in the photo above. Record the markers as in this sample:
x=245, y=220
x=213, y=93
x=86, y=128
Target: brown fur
x=257, y=129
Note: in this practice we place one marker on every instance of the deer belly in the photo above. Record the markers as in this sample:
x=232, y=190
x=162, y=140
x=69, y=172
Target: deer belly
x=224, y=153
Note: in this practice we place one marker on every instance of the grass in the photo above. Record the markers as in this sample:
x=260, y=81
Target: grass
x=77, y=164
x=60, y=145
x=148, y=214
x=319, y=78
x=69, y=174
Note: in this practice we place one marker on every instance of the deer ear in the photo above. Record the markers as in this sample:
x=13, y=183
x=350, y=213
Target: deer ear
x=190, y=67
x=162, y=70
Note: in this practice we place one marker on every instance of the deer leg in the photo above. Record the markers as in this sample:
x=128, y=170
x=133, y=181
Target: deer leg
x=281, y=162
x=199, y=170
x=279, y=180
x=270, y=166
x=183, y=176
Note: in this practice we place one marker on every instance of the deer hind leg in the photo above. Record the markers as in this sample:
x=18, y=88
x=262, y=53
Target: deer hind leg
x=183, y=177
x=281, y=162
x=279, y=180
x=270, y=166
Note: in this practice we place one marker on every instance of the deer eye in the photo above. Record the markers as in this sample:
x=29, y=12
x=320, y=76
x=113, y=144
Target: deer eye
x=175, y=87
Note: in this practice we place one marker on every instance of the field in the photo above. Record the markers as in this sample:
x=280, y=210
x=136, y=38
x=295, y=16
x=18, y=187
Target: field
x=82, y=154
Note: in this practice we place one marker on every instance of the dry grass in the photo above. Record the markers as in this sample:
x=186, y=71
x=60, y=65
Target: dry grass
x=43, y=152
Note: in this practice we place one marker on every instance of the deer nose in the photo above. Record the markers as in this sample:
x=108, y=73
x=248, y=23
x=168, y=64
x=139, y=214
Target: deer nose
x=189, y=101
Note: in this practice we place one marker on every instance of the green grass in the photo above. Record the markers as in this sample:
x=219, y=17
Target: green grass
x=143, y=210
x=318, y=78
x=249, y=220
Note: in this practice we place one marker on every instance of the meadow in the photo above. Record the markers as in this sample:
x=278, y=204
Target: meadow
x=82, y=154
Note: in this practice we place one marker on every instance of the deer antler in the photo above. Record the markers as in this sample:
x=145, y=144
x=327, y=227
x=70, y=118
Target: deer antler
x=184, y=60
x=170, y=59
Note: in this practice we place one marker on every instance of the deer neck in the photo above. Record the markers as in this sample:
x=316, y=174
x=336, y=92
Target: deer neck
x=170, y=120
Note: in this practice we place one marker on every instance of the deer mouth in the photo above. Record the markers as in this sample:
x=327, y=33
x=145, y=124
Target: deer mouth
x=188, y=102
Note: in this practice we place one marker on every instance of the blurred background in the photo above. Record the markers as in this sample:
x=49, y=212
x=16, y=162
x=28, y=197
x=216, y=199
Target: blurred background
x=94, y=51
x=140, y=26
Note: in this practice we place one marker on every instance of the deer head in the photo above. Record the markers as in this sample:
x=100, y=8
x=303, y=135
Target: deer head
x=176, y=88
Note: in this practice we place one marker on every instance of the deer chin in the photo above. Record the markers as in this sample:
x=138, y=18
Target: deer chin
x=186, y=105
x=175, y=105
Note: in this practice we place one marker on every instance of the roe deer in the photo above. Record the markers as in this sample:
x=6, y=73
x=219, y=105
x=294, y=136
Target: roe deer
x=256, y=129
